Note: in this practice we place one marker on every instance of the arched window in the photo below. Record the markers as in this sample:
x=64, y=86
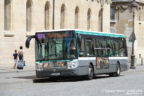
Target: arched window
x=88, y=19
x=76, y=17
x=46, y=16
x=7, y=14
x=62, y=20
x=100, y=21
x=139, y=14
x=28, y=15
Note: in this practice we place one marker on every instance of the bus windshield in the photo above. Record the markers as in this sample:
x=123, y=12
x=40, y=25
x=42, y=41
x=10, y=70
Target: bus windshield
x=55, y=45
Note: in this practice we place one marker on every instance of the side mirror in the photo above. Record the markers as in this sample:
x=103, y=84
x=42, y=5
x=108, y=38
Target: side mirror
x=27, y=43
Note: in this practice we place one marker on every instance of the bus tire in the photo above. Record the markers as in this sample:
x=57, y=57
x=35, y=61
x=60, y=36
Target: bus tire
x=117, y=73
x=90, y=75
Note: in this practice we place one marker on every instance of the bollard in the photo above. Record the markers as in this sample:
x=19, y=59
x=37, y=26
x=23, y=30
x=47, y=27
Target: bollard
x=141, y=61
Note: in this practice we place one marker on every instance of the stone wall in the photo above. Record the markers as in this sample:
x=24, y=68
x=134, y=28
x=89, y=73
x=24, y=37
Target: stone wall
x=124, y=25
x=16, y=36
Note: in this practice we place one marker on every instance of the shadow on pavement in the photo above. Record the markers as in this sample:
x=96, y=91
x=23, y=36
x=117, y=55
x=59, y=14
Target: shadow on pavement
x=61, y=79
x=68, y=79
x=26, y=77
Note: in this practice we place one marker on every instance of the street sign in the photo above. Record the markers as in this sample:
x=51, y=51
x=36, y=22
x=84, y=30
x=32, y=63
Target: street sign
x=132, y=37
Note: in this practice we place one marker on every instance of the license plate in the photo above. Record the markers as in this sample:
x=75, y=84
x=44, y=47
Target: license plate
x=55, y=74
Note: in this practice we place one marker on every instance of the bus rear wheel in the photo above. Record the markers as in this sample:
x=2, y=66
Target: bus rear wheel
x=117, y=73
x=90, y=75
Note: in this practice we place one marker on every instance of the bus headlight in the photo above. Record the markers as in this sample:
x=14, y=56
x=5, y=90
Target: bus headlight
x=39, y=67
x=72, y=64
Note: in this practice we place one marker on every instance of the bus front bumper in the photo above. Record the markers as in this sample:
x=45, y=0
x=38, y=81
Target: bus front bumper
x=58, y=72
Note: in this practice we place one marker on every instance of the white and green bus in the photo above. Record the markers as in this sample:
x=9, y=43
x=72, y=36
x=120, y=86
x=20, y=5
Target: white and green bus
x=79, y=53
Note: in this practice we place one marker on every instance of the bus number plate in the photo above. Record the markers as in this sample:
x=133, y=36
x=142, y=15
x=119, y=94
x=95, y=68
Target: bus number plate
x=55, y=74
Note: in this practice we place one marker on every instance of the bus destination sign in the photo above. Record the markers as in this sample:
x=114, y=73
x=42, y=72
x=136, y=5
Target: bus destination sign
x=41, y=36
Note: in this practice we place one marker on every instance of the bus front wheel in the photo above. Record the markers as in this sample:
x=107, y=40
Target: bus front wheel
x=90, y=73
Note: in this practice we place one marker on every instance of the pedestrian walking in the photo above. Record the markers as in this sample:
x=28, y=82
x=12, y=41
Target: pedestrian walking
x=21, y=54
x=15, y=55
x=21, y=62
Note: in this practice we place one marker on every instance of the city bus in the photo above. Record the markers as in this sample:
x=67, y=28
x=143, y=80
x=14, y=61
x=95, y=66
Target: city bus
x=79, y=53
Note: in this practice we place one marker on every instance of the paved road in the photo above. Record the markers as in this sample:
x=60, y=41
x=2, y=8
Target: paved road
x=130, y=83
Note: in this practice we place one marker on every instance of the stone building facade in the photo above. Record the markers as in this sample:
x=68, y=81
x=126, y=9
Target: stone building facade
x=122, y=22
x=22, y=18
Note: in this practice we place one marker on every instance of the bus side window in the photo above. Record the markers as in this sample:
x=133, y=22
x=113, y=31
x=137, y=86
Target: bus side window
x=104, y=47
x=89, y=47
x=124, y=52
x=125, y=47
x=109, y=46
x=96, y=47
x=100, y=48
x=121, y=49
x=112, y=47
x=116, y=47
x=81, y=48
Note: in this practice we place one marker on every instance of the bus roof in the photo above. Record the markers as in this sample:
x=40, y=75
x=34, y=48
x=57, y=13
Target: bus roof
x=85, y=32
x=100, y=33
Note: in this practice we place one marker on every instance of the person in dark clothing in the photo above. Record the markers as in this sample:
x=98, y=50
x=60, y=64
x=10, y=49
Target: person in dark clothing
x=21, y=61
x=21, y=55
x=15, y=55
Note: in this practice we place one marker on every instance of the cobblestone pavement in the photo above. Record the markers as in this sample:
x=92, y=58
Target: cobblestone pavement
x=13, y=83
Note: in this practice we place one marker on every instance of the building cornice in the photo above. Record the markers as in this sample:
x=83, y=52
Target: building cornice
x=123, y=5
x=120, y=1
